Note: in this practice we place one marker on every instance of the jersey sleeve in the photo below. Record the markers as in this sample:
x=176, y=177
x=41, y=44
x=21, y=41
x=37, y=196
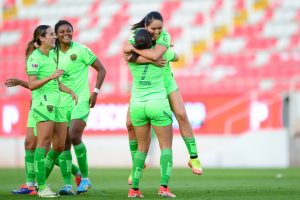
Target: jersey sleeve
x=32, y=65
x=164, y=39
x=87, y=55
x=169, y=55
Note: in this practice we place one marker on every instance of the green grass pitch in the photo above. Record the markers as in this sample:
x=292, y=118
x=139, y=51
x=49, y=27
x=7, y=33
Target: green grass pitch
x=214, y=184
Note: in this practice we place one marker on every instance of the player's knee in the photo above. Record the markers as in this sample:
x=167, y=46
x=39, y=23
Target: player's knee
x=75, y=139
x=58, y=147
x=30, y=144
x=129, y=125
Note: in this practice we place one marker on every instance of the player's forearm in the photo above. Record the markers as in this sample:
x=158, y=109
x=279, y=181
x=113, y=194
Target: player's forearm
x=148, y=54
x=101, y=73
x=64, y=88
x=35, y=84
x=143, y=60
x=152, y=54
x=23, y=84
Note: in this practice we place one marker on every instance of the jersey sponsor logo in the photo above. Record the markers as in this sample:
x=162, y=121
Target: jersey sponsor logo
x=144, y=83
x=73, y=57
x=50, y=108
x=34, y=65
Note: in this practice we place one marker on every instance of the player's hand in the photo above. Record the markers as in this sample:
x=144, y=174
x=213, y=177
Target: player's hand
x=58, y=73
x=126, y=56
x=74, y=97
x=161, y=62
x=11, y=82
x=93, y=99
x=128, y=48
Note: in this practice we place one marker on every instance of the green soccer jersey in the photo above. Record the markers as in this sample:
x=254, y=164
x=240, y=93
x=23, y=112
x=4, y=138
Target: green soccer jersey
x=75, y=63
x=43, y=66
x=164, y=39
x=169, y=55
x=147, y=82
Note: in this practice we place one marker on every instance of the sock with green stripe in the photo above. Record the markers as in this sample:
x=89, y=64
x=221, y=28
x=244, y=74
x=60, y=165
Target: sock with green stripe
x=190, y=143
x=133, y=146
x=81, y=155
x=39, y=166
x=29, y=167
x=50, y=161
x=65, y=164
x=166, y=165
x=137, y=168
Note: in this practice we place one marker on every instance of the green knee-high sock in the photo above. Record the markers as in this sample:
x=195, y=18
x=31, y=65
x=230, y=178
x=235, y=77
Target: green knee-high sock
x=39, y=166
x=133, y=146
x=137, y=168
x=81, y=155
x=29, y=166
x=65, y=164
x=166, y=165
x=191, y=146
x=50, y=160
x=75, y=170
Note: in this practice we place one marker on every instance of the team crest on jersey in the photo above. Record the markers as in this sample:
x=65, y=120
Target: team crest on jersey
x=34, y=65
x=50, y=108
x=73, y=57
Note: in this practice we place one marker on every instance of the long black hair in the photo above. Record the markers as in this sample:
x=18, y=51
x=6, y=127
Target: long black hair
x=60, y=23
x=41, y=30
x=142, y=40
x=154, y=15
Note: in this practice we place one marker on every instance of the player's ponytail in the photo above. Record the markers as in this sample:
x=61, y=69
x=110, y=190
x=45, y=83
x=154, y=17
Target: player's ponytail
x=154, y=15
x=140, y=24
x=41, y=30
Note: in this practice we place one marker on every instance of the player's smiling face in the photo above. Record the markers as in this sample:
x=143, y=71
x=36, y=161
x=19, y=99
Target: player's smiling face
x=65, y=33
x=49, y=39
x=155, y=28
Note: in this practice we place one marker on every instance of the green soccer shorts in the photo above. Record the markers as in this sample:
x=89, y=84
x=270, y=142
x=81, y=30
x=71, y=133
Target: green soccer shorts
x=157, y=112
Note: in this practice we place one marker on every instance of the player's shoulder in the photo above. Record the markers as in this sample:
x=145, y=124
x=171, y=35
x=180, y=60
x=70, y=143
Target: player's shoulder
x=35, y=55
x=78, y=45
x=164, y=32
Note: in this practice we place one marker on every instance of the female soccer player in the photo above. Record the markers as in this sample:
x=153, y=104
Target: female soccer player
x=75, y=59
x=49, y=117
x=149, y=106
x=153, y=22
x=30, y=145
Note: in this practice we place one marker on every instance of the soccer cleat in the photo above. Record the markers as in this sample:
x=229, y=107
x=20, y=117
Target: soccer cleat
x=135, y=193
x=78, y=179
x=24, y=189
x=165, y=192
x=67, y=190
x=47, y=193
x=195, y=164
x=129, y=180
x=84, y=185
x=34, y=192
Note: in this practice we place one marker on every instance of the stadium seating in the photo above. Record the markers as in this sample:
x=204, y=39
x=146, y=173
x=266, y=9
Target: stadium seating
x=223, y=46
